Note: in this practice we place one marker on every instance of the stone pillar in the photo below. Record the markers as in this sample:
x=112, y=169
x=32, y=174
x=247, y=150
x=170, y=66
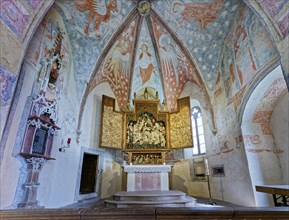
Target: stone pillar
x=34, y=165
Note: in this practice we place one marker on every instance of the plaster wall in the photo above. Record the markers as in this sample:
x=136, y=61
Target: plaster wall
x=11, y=167
x=261, y=151
x=279, y=125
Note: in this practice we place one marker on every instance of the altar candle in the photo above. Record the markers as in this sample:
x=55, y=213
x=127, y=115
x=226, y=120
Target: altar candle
x=207, y=167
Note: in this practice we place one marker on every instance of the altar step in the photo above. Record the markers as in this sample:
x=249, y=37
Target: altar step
x=168, y=198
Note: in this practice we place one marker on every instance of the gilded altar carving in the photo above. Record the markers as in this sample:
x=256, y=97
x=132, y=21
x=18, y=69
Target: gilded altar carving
x=180, y=126
x=146, y=132
x=111, y=135
x=144, y=129
x=146, y=159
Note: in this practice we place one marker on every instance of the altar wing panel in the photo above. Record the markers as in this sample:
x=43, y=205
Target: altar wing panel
x=111, y=124
x=180, y=125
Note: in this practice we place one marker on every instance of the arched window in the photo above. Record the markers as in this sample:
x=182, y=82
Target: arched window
x=198, y=132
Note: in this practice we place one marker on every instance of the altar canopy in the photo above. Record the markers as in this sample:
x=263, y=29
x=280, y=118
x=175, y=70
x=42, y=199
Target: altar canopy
x=147, y=131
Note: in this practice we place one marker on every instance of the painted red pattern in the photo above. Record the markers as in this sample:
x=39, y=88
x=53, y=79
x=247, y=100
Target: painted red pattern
x=277, y=151
x=218, y=92
x=94, y=17
x=272, y=7
x=266, y=129
x=115, y=69
x=221, y=152
x=250, y=140
x=236, y=100
x=202, y=13
x=277, y=88
x=262, y=116
x=176, y=68
x=15, y=16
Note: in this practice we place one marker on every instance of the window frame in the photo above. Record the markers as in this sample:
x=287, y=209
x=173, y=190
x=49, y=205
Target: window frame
x=196, y=129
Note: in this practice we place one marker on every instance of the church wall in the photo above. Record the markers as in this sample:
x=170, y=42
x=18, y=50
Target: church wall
x=58, y=177
x=111, y=175
x=263, y=154
x=12, y=166
x=15, y=36
x=279, y=126
x=223, y=148
x=247, y=50
x=274, y=16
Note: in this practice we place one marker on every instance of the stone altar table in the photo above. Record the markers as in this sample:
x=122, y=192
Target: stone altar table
x=147, y=177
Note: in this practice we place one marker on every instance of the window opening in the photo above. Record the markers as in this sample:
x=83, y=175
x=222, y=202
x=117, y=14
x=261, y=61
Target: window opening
x=198, y=132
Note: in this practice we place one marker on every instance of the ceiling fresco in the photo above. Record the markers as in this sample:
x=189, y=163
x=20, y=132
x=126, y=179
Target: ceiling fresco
x=170, y=42
x=146, y=69
x=116, y=67
x=87, y=36
x=202, y=25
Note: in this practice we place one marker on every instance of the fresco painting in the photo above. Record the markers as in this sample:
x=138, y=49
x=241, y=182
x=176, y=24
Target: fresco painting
x=240, y=58
x=15, y=16
x=274, y=10
x=262, y=46
x=86, y=47
x=95, y=16
x=115, y=68
x=203, y=33
x=272, y=7
x=283, y=24
x=43, y=42
x=34, y=3
x=176, y=69
x=7, y=86
x=146, y=70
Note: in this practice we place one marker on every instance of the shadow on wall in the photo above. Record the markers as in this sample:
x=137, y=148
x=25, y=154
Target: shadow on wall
x=178, y=184
x=115, y=184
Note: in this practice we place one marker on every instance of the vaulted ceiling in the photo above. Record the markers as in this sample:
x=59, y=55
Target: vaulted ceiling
x=156, y=44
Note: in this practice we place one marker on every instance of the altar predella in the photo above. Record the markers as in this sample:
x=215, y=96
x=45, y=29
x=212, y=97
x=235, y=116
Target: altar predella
x=148, y=130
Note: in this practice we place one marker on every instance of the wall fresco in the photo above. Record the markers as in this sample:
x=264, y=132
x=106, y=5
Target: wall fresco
x=115, y=68
x=274, y=10
x=267, y=103
x=7, y=86
x=248, y=48
x=15, y=16
x=283, y=24
x=272, y=7
x=202, y=25
x=146, y=70
x=34, y=3
x=251, y=140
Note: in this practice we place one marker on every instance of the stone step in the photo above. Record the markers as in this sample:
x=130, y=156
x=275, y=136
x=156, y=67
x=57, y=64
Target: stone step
x=149, y=195
x=186, y=202
x=169, y=198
